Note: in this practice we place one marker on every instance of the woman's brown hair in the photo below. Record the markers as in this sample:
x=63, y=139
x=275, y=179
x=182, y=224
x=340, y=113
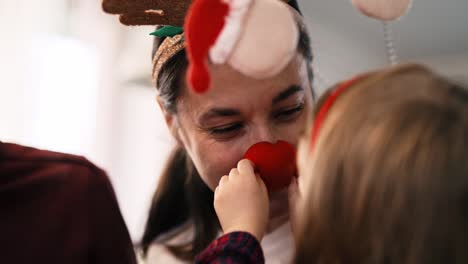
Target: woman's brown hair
x=387, y=180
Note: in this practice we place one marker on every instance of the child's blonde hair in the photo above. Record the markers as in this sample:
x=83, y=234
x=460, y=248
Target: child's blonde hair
x=387, y=179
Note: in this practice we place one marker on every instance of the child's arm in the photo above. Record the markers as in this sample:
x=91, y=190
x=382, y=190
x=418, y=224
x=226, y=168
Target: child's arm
x=242, y=205
x=235, y=247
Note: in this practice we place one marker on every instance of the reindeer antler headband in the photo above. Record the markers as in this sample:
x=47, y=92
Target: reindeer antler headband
x=148, y=12
x=168, y=13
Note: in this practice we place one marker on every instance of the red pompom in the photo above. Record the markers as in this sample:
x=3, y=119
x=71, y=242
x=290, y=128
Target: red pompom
x=204, y=22
x=276, y=163
x=198, y=77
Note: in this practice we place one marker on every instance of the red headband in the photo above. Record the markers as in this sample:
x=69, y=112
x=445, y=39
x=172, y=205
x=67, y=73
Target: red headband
x=322, y=114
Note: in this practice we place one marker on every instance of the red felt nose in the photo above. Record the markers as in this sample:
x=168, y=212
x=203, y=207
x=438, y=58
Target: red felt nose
x=276, y=163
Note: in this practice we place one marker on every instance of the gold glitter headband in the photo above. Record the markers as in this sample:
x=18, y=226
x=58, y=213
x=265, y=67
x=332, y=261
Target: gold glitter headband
x=168, y=48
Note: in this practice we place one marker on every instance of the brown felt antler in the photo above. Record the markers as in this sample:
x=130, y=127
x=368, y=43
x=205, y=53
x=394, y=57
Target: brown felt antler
x=148, y=12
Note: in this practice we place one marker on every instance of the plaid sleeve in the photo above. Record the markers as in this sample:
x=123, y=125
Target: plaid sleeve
x=232, y=248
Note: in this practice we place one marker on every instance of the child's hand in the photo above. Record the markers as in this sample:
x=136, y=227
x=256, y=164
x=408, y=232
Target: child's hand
x=293, y=194
x=241, y=201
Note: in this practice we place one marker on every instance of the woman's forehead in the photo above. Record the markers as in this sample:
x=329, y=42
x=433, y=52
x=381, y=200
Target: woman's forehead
x=222, y=74
x=232, y=90
x=227, y=83
x=235, y=104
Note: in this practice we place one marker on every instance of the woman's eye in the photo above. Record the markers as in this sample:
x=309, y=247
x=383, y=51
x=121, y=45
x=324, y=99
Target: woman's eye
x=226, y=131
x=290, y=113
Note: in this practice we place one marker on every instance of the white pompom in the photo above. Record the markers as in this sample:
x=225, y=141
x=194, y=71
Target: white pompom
x=386, y=10
x=268, y=42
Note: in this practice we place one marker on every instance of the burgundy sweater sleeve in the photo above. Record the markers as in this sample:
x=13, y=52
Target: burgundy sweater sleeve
x=232, y=248
x=58, y=208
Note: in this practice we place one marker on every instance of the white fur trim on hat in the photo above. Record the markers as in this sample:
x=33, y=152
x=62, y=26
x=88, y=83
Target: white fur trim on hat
x=230, y=34
x=268, y=42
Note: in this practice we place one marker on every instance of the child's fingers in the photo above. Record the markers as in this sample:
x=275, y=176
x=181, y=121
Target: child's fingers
x=293, y=196
x=245, y=167
x=217, y=192
x=261, y=183
x=293, y=191
x=223, y=181
x=234, y=172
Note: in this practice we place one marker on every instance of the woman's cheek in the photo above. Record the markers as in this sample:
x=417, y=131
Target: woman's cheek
x=219, y=161
x=291, y=133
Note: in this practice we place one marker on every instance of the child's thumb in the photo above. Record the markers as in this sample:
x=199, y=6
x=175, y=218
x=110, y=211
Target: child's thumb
x=293, y=192
x=293, y=195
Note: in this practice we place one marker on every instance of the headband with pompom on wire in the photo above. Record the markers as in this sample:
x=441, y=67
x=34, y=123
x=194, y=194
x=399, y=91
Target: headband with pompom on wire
x=326, y=106
x=385, y=11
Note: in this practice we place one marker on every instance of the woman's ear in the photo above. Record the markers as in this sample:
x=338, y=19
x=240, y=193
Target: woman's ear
x=171, y=121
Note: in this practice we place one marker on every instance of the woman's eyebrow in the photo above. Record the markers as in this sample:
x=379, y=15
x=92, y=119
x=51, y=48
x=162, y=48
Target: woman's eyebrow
x=291, y=90
x=218, y=112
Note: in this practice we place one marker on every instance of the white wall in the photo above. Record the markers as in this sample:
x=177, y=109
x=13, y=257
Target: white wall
x=143, y=147
x=453, y=65
x=67, y=83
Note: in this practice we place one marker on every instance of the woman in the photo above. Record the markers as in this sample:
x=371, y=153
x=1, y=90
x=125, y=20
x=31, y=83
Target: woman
x=213, y=131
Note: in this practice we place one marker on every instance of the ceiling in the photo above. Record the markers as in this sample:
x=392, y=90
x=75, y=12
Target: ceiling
x=346, y=42
x=430, y=27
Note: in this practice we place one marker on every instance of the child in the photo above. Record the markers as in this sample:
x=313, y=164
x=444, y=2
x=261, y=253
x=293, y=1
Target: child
x=383, y=178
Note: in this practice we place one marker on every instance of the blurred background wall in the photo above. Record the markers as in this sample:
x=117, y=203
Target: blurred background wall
x=72, y=79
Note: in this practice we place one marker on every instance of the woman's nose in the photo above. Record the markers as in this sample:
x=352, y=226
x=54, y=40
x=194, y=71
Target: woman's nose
x=263, y=134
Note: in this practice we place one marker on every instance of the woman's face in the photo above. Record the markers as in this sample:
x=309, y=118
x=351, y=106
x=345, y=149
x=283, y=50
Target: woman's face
x=216, y=128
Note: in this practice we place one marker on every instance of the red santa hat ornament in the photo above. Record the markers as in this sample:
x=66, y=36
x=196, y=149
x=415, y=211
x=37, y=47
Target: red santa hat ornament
x=258, y=38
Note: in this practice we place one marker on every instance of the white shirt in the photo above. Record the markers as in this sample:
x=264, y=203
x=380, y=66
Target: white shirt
x=278, y=247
